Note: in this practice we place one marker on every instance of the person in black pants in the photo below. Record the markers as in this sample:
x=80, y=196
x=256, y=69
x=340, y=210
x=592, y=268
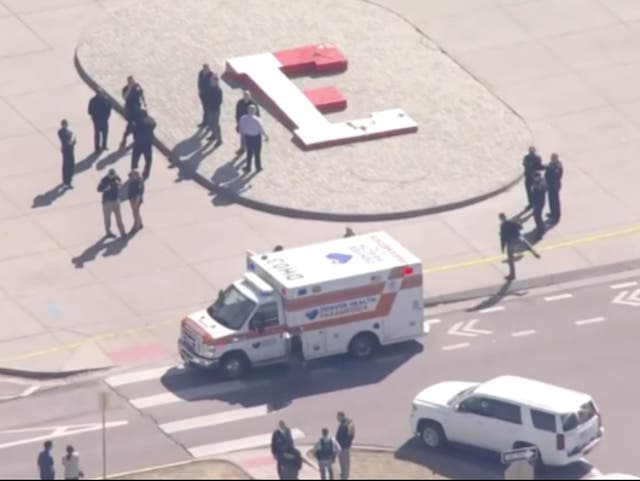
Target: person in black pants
x=143, y=128
x=213, y=98
x=280, y=439
x=511, y=239
x=134, y=102
x=242, y=108
x=204, y=80
x=538, y=198
x=250, y=126
x=553, y=177
x=100, y=111
x=532, y=164
x=67, y=146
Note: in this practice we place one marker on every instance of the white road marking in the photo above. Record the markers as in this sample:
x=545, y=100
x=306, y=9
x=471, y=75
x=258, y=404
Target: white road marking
x=138, y=376
x=241, y=444
x=623, y=285
x=426, y=325
x=57, y=432
x=593, y=320
x=452, y=347
x=193, y=394
x=558, y=297
x=492, y=309
x=29, y=391
x=523, y=333
x=214, y=419
x=467, y=329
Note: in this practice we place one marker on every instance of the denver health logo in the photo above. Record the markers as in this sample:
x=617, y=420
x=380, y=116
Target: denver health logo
x=303, y=111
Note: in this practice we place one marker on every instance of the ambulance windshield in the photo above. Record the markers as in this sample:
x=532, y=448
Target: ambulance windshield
x=232, y=308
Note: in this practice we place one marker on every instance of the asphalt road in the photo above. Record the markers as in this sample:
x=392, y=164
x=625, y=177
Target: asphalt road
x=576, y=337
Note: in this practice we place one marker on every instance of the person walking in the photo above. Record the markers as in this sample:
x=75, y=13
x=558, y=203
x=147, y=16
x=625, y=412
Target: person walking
x=326, y=450
x=344, y=436
x=109, y=186
x=280, y=439
x=135, y=192
x=143, y=129
x=214, y=104
x=538, y=197
x=553, y=177
x=250, y=126
x=204, y=80
x=100, y=111
x=242, y=108
x=67, y=147
x=291, y=462
x=71, y=464
x=46, y=463
x=511, y=239
x=532, y=163
x=134, y=101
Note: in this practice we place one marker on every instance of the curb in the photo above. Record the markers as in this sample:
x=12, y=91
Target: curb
x=233, y=197
x=48, y=375
x=175, y=465
x=542, y=281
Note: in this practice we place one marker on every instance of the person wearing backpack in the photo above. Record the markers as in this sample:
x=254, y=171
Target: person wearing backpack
x=326, y=450
x=291, y=462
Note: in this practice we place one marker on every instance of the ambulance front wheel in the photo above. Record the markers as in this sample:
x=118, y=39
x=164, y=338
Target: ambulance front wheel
x=363, y=345
x=234, y=365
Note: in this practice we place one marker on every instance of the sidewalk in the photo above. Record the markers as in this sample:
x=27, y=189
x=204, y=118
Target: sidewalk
x=573, y=79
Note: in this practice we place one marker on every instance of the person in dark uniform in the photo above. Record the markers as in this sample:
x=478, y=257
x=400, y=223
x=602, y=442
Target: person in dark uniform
x=532, y=163
x=538, y=198
x=553, y=177
x=511, y=239
x=280, y=439
x=214, y=103
x=204, y=80
x=143, y=128
x=291, y=462
x=242, y=108
x=134, y=102
x=67, y=146
x=100, y=111
x=46, y=465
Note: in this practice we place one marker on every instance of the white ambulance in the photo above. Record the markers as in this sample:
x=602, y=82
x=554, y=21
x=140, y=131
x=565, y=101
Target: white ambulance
x=348, y=295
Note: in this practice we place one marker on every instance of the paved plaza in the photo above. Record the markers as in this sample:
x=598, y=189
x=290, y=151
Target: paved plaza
x=570, y=69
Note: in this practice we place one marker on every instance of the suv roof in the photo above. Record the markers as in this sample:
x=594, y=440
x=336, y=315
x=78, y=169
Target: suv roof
x=535, y=394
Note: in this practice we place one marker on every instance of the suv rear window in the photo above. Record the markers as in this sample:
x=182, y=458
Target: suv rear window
x=543, y=421
x=573, y=420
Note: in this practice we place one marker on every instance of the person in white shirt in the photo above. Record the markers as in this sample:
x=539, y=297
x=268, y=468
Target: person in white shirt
x=250, y=126
x=71, y=464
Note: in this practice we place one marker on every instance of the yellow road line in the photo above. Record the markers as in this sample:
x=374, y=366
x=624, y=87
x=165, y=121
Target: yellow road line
x=549, y=247
x=430, y=270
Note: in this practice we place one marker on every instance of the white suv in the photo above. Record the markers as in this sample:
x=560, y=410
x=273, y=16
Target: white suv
x=509, y=412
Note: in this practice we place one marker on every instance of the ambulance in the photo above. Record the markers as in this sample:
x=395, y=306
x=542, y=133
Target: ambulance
x=349, y=295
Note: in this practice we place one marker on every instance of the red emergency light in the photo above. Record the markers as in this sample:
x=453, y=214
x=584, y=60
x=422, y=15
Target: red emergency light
x=407, y=271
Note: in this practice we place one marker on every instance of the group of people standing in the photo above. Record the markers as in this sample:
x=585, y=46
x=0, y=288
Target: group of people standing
x=327, y=450
x=70, y=463
x=248, y=122
x=541, y=182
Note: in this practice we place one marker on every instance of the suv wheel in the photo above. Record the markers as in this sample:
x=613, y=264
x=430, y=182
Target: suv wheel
x=432, y=435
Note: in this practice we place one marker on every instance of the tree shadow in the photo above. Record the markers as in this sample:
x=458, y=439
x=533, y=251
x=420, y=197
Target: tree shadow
x=49, y=197
x=86, y=163
x=233, y=181
x=110, y=248
x=111, y=159
x=189, y=154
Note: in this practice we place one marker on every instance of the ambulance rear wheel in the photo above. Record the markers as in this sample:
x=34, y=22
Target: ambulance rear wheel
x=234, y=365
x=363, y=345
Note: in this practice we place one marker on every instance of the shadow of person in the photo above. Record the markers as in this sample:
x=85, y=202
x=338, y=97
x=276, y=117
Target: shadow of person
x=112, y=248
x=494, y=299
x=49, y=197
x=86, y=163
x=189, y=153
x=111, y=159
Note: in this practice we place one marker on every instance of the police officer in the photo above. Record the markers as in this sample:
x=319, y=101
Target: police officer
x=280, y=439
x=538, y=199
x=134, y=101
x=143, y=128
x=532, y=163
x=204, y=80
x=511, y=239
x=553, y=177
x=100, y=111
x=214, y=104
x=67, y=146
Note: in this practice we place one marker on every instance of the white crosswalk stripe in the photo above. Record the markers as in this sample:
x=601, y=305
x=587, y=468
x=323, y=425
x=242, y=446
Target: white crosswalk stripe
x=190, y=423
